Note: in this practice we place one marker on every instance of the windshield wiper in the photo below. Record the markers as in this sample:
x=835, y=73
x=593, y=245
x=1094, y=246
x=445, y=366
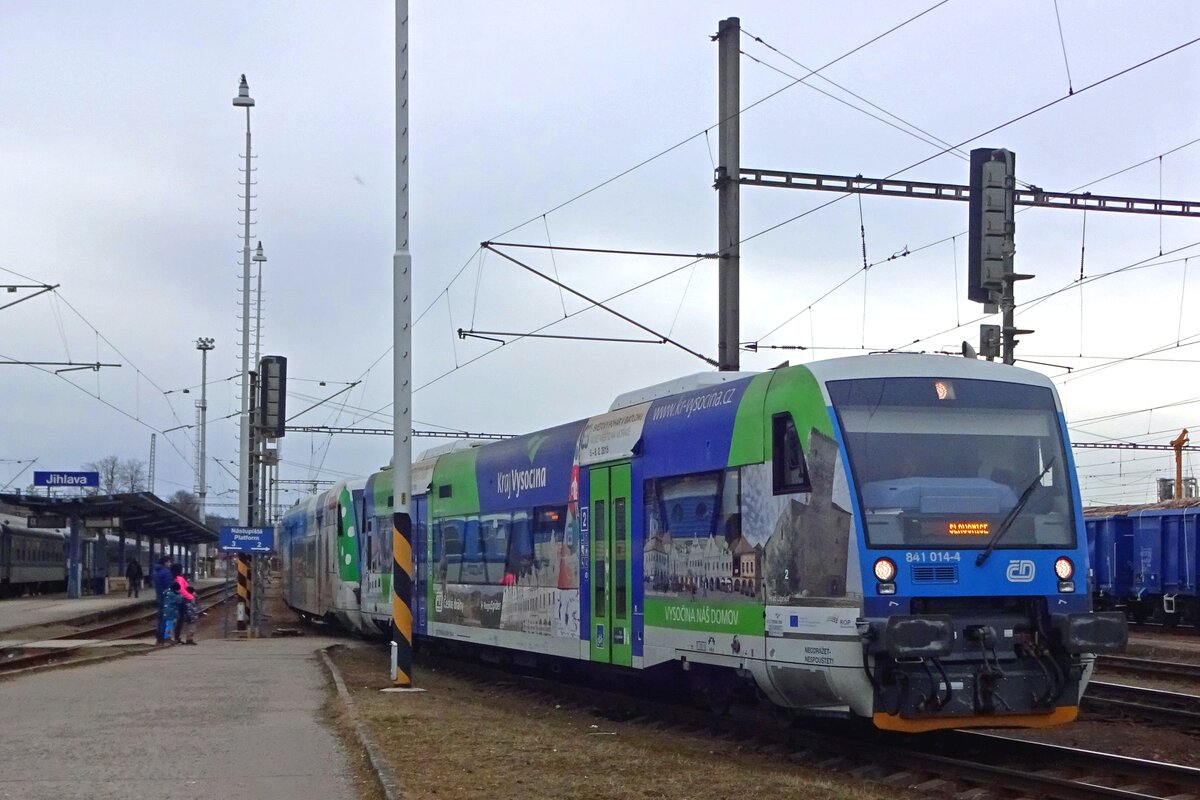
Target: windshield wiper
x=1012, y=515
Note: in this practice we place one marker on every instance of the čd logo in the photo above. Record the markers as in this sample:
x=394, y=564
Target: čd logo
x=1021, y=571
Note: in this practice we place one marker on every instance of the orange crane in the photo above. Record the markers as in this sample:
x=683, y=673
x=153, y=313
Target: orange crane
x=1177, y=443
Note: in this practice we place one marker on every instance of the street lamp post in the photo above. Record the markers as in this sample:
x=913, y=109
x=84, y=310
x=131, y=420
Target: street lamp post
x=203, y=344
x=244, y=100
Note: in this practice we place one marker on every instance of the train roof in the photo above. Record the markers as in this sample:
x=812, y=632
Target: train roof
x=936, y=365
x=875, y=365
x=20, y=524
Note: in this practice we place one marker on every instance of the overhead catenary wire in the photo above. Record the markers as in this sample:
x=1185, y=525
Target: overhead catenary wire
x=912, y=251
x=1062, y=40
x=681, y=143
x=993, y=129
x=1141, y=264
x=741, y=111
x=647, y=161
x=601, y=304
x=554, y=264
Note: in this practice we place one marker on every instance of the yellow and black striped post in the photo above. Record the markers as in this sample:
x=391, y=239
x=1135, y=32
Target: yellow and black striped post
x=243, y=591
x=402, y=582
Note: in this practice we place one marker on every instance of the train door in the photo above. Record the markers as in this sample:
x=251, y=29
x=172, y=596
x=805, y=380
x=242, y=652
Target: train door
x=611, y=565
x=420, y=545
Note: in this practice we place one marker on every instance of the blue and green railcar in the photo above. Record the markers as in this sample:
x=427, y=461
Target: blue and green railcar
x=893, y=537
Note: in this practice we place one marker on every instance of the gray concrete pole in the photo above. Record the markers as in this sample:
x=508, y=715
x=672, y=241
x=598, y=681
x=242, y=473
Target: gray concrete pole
x=728, y=194
x=402, y=556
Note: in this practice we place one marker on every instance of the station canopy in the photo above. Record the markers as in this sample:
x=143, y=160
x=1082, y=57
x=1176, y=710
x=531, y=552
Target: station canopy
x=134, y=513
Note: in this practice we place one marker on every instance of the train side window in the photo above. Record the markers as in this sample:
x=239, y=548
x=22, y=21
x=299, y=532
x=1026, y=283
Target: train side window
x=600, y=605
x=520, y=548
x=789, y=471
x=548, y=527
x=383, y=527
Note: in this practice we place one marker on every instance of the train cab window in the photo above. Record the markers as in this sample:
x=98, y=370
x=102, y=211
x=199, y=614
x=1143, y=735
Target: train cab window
x=936, y=468
x=789, y=472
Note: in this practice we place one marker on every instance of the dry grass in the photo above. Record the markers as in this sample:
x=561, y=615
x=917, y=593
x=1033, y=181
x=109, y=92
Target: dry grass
x=466, y=742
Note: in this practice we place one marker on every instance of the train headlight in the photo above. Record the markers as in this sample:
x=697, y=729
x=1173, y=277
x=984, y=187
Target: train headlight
x=1064, y=569
x=885, y=570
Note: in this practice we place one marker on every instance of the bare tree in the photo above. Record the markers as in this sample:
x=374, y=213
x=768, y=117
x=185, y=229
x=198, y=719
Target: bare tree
x=109, y=469
x=131, y=475
x=186, y=502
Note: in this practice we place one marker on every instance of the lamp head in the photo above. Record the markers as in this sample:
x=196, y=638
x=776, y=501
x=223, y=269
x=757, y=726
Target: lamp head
x=243, y=98
x=258, y=254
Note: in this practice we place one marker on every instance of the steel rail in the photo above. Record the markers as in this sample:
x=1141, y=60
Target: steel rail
x=10, y=662
x=1145, y=666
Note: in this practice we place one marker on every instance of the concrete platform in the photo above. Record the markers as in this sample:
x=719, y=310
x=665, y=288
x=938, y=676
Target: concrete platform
x=25, y=611
x=226, y=718
x=66, y=644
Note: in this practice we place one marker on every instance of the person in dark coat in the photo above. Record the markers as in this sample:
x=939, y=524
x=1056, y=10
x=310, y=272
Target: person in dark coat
x=163, y=579
x=133, y=577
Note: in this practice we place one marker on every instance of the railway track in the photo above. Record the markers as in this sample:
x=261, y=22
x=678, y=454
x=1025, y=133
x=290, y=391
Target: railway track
x=1149, y=667
x=1154, y=705
x=21, y=657
x=950, y=764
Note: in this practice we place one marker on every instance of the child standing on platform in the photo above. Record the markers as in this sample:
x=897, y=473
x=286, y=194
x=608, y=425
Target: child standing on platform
x=169, y=613
x=185, y=627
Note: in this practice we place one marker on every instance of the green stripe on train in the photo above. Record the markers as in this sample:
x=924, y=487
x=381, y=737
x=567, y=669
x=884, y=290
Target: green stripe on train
x=743, y=618
x=793, y=389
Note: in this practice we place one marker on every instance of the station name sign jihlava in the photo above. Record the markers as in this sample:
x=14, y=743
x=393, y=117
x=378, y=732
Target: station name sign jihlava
x=234, y=539
x=51, y=479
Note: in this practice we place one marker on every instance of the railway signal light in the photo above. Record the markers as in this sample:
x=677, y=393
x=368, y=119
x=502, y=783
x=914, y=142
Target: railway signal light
x=989, y=341
x=992, y=225
x=272, y=396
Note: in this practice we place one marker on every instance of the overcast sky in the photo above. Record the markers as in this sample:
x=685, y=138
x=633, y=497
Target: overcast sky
x=119, y=182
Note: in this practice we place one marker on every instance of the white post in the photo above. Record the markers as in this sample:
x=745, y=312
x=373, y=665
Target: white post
x=203, y=344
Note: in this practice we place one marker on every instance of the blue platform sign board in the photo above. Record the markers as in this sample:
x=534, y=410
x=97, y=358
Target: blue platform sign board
x=65, y=479
x=233, y=539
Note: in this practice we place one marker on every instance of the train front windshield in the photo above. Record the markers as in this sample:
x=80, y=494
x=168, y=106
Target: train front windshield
x=955, y=463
